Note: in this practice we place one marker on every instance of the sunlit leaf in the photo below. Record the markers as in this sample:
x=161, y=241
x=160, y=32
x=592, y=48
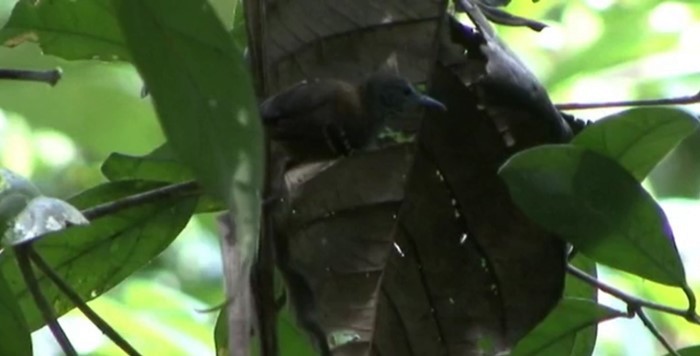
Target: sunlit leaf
x=94, y=258
x=638, y=138
x=13, y=328
x=67, y=28
x=41, y=216
x=595, y=204
x=15, y=194
x=25, y=214
x=557, y=335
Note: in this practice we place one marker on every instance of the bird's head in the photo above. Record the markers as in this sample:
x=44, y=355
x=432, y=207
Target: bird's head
x=389, y=96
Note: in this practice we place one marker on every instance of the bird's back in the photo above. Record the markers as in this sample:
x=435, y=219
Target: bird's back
x=313, y=117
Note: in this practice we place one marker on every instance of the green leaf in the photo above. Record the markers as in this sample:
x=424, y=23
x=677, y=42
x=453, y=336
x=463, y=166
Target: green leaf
x=689, y=351
x=239, y=31
x=16, y=339
x=227, y=11
x=595, y=204
x=583, y=341
x=67, y=28
x=94, y=258
x=41, y=216
x=638, y=138
x=221, y=333
x=203, y=95
x=292, y=340
x=161, y=165
x=291, y=337
x=558, y=334
x=574, y=287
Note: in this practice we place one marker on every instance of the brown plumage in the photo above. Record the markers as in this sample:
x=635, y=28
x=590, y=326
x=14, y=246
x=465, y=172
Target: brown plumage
x=324, y=119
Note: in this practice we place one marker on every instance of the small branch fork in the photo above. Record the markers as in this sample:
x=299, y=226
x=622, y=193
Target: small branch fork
x=42, y=304
x=26, y=255
x=635, y=306
x=681, y=100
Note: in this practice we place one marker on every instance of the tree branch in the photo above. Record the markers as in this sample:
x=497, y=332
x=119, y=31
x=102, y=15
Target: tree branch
x=682, y=100
x=50, y=77
x=655, y=331
x=172, y=190
x=632, y=301
x=80, y=304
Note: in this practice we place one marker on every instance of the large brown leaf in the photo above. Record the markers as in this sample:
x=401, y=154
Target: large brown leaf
x=337, y=231
x=475, y=275
x=346, y=39
x=466, y=272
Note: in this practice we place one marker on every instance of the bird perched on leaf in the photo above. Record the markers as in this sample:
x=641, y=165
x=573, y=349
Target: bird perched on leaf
x=324, y=119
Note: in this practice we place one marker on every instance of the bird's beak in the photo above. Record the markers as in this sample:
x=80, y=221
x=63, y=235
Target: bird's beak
x=429, y=102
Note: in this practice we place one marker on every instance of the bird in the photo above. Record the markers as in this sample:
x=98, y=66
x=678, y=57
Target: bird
x=329, y=118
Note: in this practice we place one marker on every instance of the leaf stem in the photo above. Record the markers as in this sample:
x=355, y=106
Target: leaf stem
x=691, y=313
x=177, y=189
x=681, y=100
x=80, y=304
x=21, y=251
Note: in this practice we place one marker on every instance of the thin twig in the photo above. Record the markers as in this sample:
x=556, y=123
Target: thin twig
x=25, y=251
x=264, y=273
x=78, y=302
x=264, y=293
x=681, y=100
x=632, y=301
x=45, y=76
x=655, y=331
x=21, y=251
x=177, y=189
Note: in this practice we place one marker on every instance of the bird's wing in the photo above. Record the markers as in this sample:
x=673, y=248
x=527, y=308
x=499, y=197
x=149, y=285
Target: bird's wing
x=303, y=98
x=306, y=109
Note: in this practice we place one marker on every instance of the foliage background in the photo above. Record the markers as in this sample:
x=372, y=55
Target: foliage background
x=594, y=50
